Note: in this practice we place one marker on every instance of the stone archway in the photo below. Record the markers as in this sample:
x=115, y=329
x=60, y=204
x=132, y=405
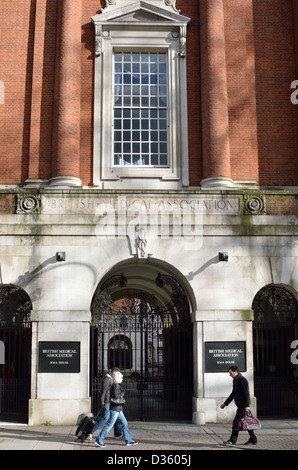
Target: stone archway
x=15, y=368
x=147, y=305
x=275, y=327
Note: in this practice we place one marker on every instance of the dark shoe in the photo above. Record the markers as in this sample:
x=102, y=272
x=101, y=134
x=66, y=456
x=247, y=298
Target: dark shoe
x=228, y=443
x=249, y=443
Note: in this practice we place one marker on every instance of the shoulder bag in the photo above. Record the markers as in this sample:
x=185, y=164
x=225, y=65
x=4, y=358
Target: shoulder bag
x=248, y=422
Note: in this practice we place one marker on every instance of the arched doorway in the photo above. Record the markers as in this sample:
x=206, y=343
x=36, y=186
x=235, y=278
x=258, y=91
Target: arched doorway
x=142, y=324
x=120, y=352
x=15, y=366
x=274, y=330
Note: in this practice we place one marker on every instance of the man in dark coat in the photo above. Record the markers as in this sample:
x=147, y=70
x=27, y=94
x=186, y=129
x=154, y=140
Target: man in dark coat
x=240, y=394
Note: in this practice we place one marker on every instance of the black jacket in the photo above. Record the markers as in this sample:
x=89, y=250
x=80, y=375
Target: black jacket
x=240, y=392
x=117, y=397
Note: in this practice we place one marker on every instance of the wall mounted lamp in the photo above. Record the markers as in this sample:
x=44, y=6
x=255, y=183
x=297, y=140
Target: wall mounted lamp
x=60, y=256
x=223, y=256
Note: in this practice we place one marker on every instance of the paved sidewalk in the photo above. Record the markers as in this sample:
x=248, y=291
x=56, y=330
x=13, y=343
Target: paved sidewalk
x=153, y=437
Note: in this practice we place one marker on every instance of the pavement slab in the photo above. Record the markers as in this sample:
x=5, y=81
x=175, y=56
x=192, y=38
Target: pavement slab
x=153, y=437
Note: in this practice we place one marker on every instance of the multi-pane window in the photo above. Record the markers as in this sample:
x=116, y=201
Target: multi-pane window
x=140, y=109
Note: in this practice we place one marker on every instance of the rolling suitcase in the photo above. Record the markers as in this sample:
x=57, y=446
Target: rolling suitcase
x=85, y=427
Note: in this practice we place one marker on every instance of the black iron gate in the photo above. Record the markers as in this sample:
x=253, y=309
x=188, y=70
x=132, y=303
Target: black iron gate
x=274, y=330
x=152, y=345
x=15, y=371
x=15, y=353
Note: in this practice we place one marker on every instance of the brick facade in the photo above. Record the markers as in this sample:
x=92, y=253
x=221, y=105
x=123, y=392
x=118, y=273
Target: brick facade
x=202, y=235
x=258, y=64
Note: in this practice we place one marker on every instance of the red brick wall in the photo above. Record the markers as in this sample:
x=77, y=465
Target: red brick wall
x=191, y=10
x=282, y=204
x=241, y=89
x=277, y=117
x=16, y=40
x=261, y=65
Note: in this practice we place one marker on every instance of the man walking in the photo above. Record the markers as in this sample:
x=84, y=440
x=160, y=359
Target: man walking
x=240, y=394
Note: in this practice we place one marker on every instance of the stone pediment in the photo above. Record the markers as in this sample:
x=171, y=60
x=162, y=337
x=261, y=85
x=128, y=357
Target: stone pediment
x=140, y=13
x=140, y=16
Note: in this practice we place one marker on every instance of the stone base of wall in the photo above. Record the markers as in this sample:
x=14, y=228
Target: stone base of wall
x=58, y=412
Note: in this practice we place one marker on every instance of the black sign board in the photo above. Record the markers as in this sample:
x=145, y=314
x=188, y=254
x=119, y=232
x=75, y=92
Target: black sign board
x=59, y=356
x=221, y=355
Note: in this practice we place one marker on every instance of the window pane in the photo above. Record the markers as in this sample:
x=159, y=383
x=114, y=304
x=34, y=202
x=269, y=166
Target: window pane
x=117, y=160
x=117, y=147
x=154, y=136
x=118, y=101
x=126, y=147
x=126, y=160
x=163, y=159
x=163, y=148
x=135, y=101
x=163, y=136
x=154, y=160
x=140, y=103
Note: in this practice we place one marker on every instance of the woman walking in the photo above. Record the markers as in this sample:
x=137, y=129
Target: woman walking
x=116, y=412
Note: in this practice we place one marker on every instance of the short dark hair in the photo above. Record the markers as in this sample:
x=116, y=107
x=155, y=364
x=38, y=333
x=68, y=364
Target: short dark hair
x=115, y=369
x=234, y=368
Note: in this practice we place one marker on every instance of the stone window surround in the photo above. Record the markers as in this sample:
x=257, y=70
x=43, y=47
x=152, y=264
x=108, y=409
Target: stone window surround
x=140, y=27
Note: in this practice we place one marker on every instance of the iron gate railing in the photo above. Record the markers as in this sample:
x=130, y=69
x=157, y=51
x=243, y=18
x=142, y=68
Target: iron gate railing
x=274, y=329
x=15, y=373
x=154, y=399
x=152, y=345
x=277, y=396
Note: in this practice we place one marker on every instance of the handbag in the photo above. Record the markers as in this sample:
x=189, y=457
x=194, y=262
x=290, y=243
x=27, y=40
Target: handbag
x=248, y=422
x=117, y=401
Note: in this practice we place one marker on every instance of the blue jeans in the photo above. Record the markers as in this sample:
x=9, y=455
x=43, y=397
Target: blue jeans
x=115, y=416
x=105, y=414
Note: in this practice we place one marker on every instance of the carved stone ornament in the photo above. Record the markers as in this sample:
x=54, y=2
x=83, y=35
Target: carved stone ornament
x=172, y=3
x=28, y=204
x=120, y=3
x=125, y=11
x=141, y=242
x=254, y=205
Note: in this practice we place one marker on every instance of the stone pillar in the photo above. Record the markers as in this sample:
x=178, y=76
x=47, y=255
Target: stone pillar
x=67, y=97
x=215, y=115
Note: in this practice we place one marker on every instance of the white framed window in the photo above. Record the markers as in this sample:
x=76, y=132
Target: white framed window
x=140, y=111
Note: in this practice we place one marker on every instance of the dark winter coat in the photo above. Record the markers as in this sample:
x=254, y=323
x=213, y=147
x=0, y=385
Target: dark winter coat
x=105, y=391
x=240, y=392
x=117, y=397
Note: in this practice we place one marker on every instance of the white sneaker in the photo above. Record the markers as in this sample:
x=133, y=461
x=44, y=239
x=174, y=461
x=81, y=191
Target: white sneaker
x=99, y=444
x=132, y=443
